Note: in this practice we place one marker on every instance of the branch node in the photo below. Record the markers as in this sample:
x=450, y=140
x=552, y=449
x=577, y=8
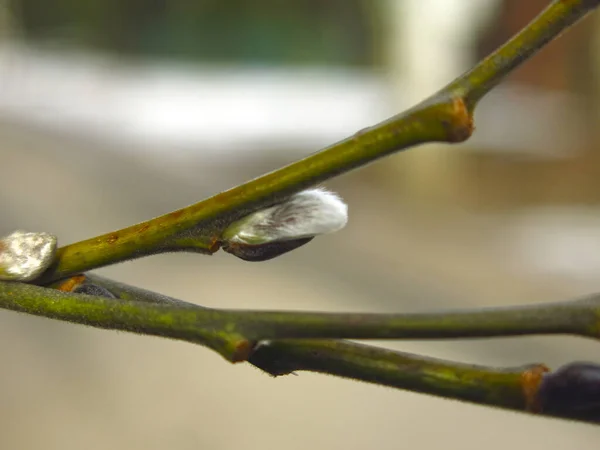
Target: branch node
x=242, y=351
x=460, y=127
x=531, y=380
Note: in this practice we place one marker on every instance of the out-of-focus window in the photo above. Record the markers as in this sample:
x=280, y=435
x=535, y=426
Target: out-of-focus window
x=273, y=32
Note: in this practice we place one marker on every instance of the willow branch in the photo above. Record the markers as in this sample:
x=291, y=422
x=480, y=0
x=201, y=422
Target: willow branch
x=580, y=317
x=447, y=116
x=155, y=317
x=570, y=392
x=233, y=332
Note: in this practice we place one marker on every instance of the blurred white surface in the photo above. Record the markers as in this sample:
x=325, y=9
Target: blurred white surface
x=208, y=110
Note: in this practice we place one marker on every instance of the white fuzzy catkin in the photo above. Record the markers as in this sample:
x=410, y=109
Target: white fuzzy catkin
x=25, y=256
x=305, y=214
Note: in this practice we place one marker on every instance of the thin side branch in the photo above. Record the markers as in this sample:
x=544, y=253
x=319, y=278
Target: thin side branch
x=550, y=23
x=570, y=392
x=504, y=388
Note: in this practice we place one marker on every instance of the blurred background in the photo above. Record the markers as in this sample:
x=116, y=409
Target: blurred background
x=115, y=111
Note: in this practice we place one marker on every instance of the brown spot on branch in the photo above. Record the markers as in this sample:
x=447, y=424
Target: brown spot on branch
x=243, y=350
x=70, y=284
x=461, y=126
x=531, y=380
x=143, y=228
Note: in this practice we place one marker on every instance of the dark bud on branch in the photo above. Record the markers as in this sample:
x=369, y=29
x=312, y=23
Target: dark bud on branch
x=572, y=391
x=93, y=289
x=264, y=252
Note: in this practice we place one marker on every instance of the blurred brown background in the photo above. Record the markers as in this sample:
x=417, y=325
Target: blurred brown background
x=112, y=112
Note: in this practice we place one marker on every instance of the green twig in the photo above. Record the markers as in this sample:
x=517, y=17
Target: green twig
x=569, y=392
x=549, y=24
x=158, y=318
x=477, y=384
x=579, y=317
x=231, y=332
x=444, y=117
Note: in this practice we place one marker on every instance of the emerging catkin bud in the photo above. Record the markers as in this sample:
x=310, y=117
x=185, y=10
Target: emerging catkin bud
x=25, y=256
x=274, y=231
